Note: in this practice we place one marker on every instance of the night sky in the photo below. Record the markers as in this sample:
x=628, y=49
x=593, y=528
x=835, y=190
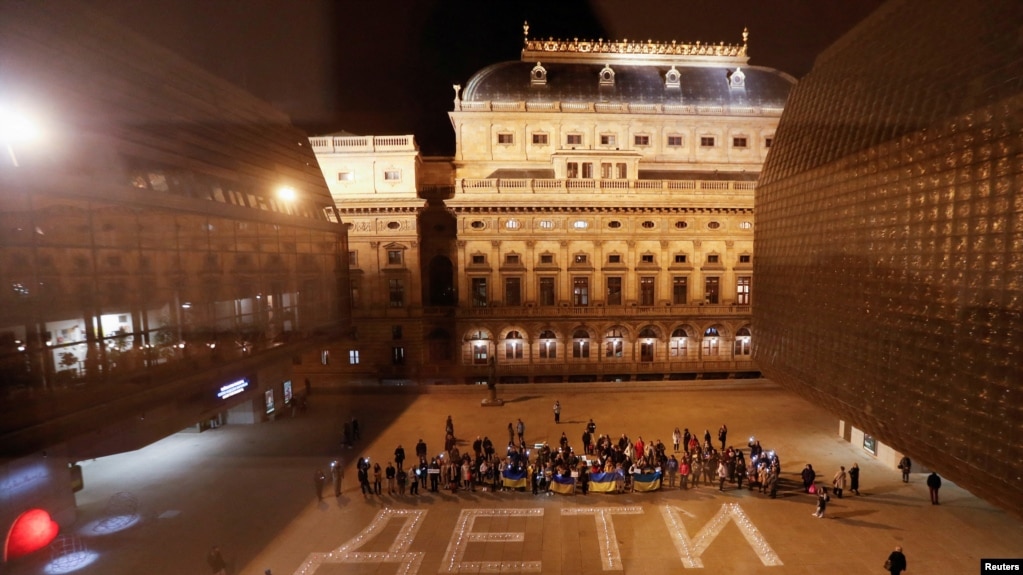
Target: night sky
x=387, y=66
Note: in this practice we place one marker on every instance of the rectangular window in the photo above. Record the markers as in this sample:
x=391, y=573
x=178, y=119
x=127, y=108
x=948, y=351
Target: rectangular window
x=325, y=357
x=647, y=258
x=606, y=171
x=511, y=259
x=572, y=170
x=479, y=259
x=392, y=175
x=621, y=170
x=505, y=138
x=547, y=291
x=768, y=142
x=540, y=139
x=396, y=290
x=397, y=356
x=353, y=357
x=396, y=332
x=674, y=141
x=646, y=351
x=580, y=291
x=580, y=258
x=394, y=257
x=680, y=258
x=646, y=291
x=745, y=259
x=711, y=287
x=512, y=291
x=679, y=290
x=607, y=139
x=513, y=349
x=480, y=354
x=588, y=170
x=707, y=141
x=353, y=259
x=548, y=349
x=479, y=292
x=742, y=290
x=614, y=290
x=581, y=348
x=614, y=348
x=547, y=259
x=614, y=259
x=738, y=142
x=713, y=259
x=574, y=139
x=679, y=347
x=345, y=177
x=641, y=140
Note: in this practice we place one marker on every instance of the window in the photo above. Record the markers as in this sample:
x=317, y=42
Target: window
x=393, y=225
x=768, y=142
x=546, y=258
x=396, y=290
x=711, y=286
x=580, y=224
x=479, y=259
x=572, y=170
x=353, y=259
x=614, y=345
x=641, y=140
x=479, y=292
x=707, y=141
x=547, y=294
x=646, y=258
x=680, y=258
x=548, y=345
x=574, y=139
x=325, y=357
x=648, y=225
x=345, y=177
x=513, y=291
x=587, y=170
x=607, y=139
x=511, y=259
x=713, y=225
x=679, y=344
x=477, y=225
x=681, y=225
x=513, y=345
x=614, y=290
x=674, y=141
x=745, y=225
x=580, y=258
x=745, y=259
x=353, y=357
x=614, y=259
x=546, y=224
x=621, y=170
x=512, y=224
x=646, y=291
x=614, y=224
x=480, y=349
x=580, y=291
x=540, y=139
x=710, y=342
x=647, y=340
x=738, y=142
x=679, y=290
x=713, y=259
x=505, y=138
x=606, y=171
x=742, y=342
x=398, y=356
x=392, y=175
x=580, y=344
x=742, y=290
x=396, y=332
x=394, y=257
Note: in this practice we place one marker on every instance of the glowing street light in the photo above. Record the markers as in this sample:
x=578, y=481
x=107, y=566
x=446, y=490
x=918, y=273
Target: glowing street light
x=287, y=194
x=17, y=126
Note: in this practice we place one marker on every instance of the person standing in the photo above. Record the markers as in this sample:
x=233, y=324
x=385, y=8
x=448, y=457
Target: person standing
x=216, y=561
x=722, y=475
x=557, y=411
x=399, y=456
x=520, y=429
x=723, y=435
x=672, y=470
x=934, y=484
x=363, y=468
x=336, y=475
x=318, y=480
x=905, y=464
x=402, y=480
x=683, y=473
x=391, y=474
x=822, y=502
x=839, y=481
x=421, y=451
x=854, y=479
x=896, y=562
x=378, y=475
x=676, y=438
x=809, y=476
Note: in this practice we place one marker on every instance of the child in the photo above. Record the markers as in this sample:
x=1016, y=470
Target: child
x=822, y=502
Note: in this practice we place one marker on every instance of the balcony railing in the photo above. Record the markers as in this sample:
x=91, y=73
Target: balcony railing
x=715, y=188
x=336, y=144
x=604, y=311
x=615, y=107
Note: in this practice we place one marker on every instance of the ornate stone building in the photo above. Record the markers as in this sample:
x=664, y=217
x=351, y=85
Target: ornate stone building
x=595, y=222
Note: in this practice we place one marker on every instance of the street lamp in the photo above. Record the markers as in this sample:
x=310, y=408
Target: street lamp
x=17, y=125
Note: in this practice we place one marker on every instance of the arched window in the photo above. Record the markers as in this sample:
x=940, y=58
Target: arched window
x=710, y=342
x=548, y=345
x=480, y=342
x=580, y=344
x=742, y=342
x=647, y=341
x=614, y=343
x=513, y=345
x=679, y=344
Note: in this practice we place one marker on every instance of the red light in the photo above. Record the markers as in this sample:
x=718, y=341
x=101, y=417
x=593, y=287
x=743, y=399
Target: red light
x=31, y=531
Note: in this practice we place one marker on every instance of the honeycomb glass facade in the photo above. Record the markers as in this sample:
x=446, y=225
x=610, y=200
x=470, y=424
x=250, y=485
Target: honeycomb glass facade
x=890, y=239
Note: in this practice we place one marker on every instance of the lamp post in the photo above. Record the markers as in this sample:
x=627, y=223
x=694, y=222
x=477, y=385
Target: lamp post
x=492, y=400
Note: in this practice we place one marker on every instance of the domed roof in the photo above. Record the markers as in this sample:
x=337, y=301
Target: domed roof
x=634, y=84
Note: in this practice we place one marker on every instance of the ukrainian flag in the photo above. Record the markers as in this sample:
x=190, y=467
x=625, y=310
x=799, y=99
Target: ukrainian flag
x=563, y=484
x=646, y=481
x=604, y=482
x=515, y=479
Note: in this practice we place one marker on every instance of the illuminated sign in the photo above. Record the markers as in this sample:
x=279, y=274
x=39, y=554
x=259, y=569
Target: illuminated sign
x=287, y=391
x=269, y=401
x=233, y=388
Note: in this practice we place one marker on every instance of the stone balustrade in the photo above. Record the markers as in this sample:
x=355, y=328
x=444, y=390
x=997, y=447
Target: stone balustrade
x=616, y=108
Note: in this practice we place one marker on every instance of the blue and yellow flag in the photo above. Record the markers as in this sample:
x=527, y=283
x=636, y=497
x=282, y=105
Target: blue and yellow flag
x=515, y=479
x=646, y=481
x=604, y=482
x=563, y=484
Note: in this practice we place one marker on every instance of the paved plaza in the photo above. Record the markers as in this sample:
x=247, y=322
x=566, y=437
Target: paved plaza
x=250, y=490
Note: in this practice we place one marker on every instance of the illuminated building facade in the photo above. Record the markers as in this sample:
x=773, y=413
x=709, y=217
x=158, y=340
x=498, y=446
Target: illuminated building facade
x=594, y=224
x=167, y=250
x=890, y=241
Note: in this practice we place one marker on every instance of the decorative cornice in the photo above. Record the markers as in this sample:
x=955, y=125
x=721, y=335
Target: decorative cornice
x=631, y=52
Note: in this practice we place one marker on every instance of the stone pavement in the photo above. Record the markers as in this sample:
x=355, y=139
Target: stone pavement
x=250, y=490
